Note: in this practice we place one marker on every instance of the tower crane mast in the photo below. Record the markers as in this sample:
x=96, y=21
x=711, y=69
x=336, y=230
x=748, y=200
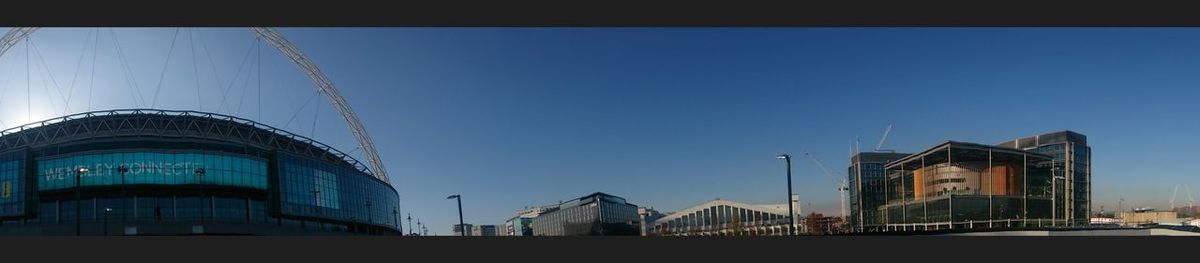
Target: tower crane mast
x=842, y=187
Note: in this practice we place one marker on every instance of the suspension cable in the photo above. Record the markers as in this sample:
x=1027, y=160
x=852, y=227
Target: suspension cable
x=28, y=88
x=163, y=75
x=302, y=107
x=42, y=77
x=48, y=73
x=216, y=75
x=316, y=112
x=258, y=49
x=129, y=77
x=4, y=87
x=225, y=95
x=245, y=88
x=195, y=68
x=92, y=75
x=75, y=77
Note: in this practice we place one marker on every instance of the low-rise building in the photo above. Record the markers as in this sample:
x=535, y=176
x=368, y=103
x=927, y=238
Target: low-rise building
x=1136, y=218
x=728, y=218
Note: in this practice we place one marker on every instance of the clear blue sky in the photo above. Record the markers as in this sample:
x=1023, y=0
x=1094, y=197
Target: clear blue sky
x=671, y=117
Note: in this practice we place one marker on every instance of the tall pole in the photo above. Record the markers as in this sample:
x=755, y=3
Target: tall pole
x=461, y=226
x=200, y=184
x=123, y=169
x=410, y=229
x=791, y=215
x=78, y=212
x=106, y=211
x=1053, y=194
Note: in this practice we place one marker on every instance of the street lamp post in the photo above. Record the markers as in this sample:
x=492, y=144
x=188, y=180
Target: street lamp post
x=370, y=219
x=106, y=211
x=1054, y=195
x=78, y=212
x=200, y=184
x=410, y=229
x=461, y=226
x=123, y=170
x=791, y=215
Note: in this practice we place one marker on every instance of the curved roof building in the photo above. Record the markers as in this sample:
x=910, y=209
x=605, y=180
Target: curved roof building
x=728, y=218
x=159, y=172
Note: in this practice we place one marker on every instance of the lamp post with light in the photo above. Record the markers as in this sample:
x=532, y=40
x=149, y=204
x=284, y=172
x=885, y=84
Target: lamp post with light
x=78, y=211
x=791, y=215
x=461, y=226
x=106, y=211
x=200, y=184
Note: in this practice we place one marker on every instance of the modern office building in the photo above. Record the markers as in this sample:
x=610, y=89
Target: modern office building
x=157, y=172
x=521, y=225
x=1073, y=157
x=957, y=185
x=866, y=182
x=597, y=214
x=728, y=218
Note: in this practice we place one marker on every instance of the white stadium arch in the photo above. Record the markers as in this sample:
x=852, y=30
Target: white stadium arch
x=326, y=87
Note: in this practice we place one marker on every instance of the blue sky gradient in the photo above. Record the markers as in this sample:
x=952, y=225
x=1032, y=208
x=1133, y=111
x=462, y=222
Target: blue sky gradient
x=667, y=117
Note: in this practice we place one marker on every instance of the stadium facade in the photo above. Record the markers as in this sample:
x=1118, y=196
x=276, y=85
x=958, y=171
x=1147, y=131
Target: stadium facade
x=159, y=172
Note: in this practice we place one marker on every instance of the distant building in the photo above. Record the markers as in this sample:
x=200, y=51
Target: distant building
x=521, y=225
x=866, y=182
x=597, y=214
x=819, y=224
x=457, y=229
x=728, y=218
x=647, y=216
x=485, y=230
x=1137, y=218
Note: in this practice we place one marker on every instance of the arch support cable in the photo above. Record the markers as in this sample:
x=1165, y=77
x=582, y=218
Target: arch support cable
x=301, y=61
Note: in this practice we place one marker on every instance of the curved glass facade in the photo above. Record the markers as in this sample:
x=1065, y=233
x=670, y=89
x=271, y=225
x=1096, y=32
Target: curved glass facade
x=147, y=167
x=213, y=176
x=967, y=185
x=316, y=189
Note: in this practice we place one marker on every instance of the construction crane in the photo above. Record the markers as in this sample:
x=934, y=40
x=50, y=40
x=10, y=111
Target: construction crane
x=879, y=146
x=842, y=187
x=1191, y=202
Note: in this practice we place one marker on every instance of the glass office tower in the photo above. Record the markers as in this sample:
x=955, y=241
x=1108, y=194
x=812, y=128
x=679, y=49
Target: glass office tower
x=1073, y=159
x=958, y=185
x=597, y=214
x=866, y=182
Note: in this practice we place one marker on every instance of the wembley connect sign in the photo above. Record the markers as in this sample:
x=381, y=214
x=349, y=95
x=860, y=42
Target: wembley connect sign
x=301, y=61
